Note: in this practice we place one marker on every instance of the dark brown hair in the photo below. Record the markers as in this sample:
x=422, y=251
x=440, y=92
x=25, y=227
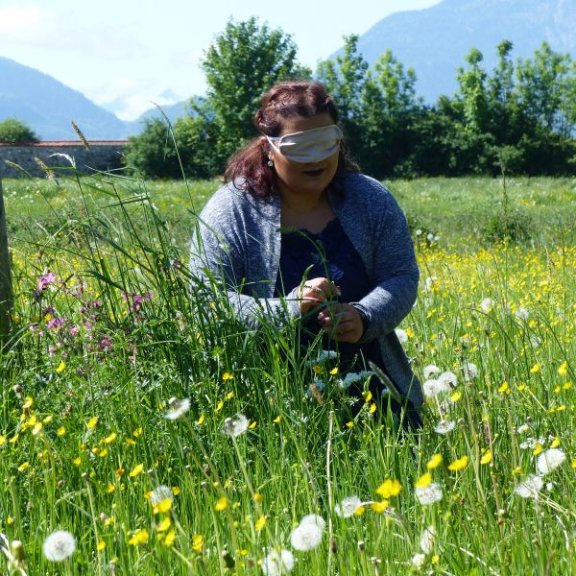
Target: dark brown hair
x=248, y=168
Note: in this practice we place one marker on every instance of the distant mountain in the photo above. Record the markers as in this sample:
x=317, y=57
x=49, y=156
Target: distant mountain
x=435, y=41
x=49, y=107
x=170, y=111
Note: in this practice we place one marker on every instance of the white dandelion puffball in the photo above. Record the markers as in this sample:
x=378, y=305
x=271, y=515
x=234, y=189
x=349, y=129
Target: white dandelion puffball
x=432, y=388
x=522, y=314
x=306, y=537
x=314, y=519
x=418, y=561
x=550, y=460
x=429, y=494
x=444, y=427
x=402, y=335
x=353, y=377
x=486, y=305
x=448, y=378
x=530, y=487
x=430, y=370
x=177, y=408
x=348, y=506
x=427, y=539
x=161, y=493
x=278, y=563
x=59, y=546
x=236, y=426
x=469, y=371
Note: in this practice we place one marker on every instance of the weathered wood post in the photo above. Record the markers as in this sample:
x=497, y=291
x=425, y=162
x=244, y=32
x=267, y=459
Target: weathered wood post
x=6, y=299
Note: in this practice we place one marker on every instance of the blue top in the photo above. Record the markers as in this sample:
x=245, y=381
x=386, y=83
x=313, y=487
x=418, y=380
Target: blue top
x=330, y=254
x=237, y=244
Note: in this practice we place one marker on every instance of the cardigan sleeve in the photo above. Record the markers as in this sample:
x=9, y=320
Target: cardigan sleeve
x=226, y=257
x=390, y=259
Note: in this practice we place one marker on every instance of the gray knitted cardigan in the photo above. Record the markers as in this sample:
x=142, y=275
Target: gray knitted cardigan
x=238, y=243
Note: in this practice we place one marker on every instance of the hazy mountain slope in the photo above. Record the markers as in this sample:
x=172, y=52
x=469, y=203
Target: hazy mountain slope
x=48, y=106
x=435, y=41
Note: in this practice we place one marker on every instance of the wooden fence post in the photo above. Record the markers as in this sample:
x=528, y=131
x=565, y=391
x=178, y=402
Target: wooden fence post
x=6, y=298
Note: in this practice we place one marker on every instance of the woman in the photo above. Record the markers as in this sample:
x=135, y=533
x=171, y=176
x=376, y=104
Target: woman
x=298, y=232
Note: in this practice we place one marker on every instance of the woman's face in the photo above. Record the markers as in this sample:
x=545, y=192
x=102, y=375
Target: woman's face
x=304, y=178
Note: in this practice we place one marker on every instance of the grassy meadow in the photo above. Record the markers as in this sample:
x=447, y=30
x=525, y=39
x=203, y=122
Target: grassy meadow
x=143, y=431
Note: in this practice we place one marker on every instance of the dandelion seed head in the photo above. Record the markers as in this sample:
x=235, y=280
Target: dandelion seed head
x=306, y=537
x=530, y=487
x=278, y=563
x=549, y=460
x=177, y=408
x=418, y=560
x=522, y=313
x=402, y=335
x=469, y=371
x=448, y=378
x=430, y=370
x=235, y=426
x=348, y=506
x=314, y=519
x=432, y=388
x=444, y=426
x=487, y=305
x=429, y=494
x=353, y=377
x=427, y=539
x=59, y=545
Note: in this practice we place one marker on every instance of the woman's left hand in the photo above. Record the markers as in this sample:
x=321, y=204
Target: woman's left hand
x=342, y=322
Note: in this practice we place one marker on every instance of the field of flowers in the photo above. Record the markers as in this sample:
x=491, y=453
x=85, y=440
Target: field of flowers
x=144, y=432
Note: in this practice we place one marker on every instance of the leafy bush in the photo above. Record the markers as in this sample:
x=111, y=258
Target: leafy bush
x=15, y=132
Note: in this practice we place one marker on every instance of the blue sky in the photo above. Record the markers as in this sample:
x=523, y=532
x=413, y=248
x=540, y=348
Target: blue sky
x=128, y=55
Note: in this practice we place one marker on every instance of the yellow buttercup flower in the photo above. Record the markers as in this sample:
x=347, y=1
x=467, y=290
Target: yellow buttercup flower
x=170, y=538
x=91, y=424
x=164, y=524
x=389, y=488
x=163, y=506
x=434, y=462
x=458, y=464
x=139, y=537
x=222, y=504
x=563, y=368
x=260, y=523
x=424, y=481
x=136, y=471
x=380, y=507
x=110, y=438
x=197, y=543
x=486, y=457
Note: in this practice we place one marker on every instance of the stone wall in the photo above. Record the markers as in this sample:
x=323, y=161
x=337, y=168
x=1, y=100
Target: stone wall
x=38, y=159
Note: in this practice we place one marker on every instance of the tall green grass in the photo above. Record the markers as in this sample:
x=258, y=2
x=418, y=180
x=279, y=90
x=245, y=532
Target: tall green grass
x=108, y=342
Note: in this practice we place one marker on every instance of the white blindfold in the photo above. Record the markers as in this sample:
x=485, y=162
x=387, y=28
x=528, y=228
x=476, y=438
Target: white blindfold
x=308, y=146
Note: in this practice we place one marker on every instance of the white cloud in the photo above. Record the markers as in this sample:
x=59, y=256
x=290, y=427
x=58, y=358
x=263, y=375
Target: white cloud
x=20, y=22
x=128, y=98
x=36, y=27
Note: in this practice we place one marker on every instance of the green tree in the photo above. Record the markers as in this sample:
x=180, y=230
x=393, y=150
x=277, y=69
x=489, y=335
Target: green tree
x=16, y=132
x=388, y=102
x=344, y=79
x=546, y=88
x=243, y=63
x=152, y=153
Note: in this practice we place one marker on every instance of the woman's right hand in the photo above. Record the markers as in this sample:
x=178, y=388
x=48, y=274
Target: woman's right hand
x=314, y=292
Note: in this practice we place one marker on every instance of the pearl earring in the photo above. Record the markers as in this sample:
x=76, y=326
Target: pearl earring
x=270, y=162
